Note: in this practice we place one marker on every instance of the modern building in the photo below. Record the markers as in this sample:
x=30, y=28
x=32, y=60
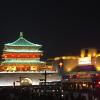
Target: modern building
x=22, y=64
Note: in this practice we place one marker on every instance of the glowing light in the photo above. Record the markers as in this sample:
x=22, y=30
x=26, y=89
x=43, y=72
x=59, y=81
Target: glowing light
x=57, y=58
x=98, y=68
x=22, y=55
x=84, y=84
x=22, y=61
x=23, y=50
x=99, y=82
x=12, y=68
x=64, y=57
x=61, y=64
x=82, y=53
x=34, y=68
x=26, y=81
x=53, y=90
x=69, y=69
x=62, y=95
x=85, y=60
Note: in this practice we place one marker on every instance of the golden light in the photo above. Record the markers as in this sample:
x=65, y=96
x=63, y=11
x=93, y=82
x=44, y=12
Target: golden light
x=82, y=53
x=84, y=60
x=57, y=58
x=69, y=69
x=98, y=55
x=64, y=57
x=98, y=68
x=94, y=54
x=60, y=64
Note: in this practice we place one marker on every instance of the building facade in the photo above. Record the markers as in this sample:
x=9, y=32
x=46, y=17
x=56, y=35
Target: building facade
x=88, y=56
x=21, y=64
x=22, y=55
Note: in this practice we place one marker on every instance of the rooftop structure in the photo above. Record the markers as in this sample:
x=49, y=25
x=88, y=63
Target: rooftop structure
x=22, y=55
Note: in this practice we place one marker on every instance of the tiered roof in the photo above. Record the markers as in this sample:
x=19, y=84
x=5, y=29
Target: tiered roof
x=21, y=41
x=21, y=46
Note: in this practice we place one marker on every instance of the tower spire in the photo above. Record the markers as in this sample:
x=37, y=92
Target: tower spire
x=21, y=34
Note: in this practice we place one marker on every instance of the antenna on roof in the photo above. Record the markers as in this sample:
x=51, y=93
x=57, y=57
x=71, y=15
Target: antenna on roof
x=21, y=34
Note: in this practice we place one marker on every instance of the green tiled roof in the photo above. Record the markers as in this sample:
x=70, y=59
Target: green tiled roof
x=23, y=61
x=22, y=42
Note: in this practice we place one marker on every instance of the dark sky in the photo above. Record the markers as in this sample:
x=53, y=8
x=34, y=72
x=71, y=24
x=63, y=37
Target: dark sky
x=62, y=27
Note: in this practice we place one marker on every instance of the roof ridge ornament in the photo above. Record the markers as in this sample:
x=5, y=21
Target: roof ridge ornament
x=21, y=34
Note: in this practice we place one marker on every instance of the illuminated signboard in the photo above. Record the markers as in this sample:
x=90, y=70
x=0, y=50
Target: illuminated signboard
x=85, y=60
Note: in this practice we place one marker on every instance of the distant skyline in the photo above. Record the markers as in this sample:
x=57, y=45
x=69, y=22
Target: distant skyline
x=62, y=27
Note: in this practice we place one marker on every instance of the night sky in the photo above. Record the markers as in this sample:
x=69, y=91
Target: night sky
x=62, y=27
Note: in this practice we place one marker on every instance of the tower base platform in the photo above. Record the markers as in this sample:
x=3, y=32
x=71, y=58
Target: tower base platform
x=21, y=78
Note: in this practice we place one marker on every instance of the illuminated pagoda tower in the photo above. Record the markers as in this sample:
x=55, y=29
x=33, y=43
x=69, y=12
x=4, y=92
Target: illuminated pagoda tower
x=22, y=55
x=22, y=65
